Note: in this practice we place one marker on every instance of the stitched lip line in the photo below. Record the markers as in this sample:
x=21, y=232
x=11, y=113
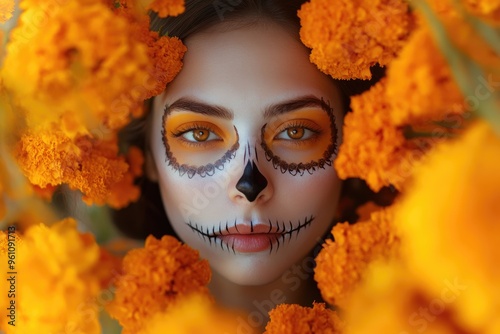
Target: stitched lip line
x=277, y=230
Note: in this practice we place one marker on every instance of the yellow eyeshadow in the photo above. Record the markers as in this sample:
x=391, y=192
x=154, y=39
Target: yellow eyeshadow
x=177, y=123
x=315, y=120
x=316, y=123
x=182, y=131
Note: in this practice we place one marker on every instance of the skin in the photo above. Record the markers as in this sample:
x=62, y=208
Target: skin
x=245, y=70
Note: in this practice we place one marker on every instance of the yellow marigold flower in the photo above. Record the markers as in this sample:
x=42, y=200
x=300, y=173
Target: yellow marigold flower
x=166, y=8
x=195, y=314
x=154, y=278
x=449, y=224
x=420, y=85
x=391, y=300
x=60, y=268
x=63, y=68
x=296, y=319
x=6, y=10
x=351, y=36
x=368, y=133
x=341, y=263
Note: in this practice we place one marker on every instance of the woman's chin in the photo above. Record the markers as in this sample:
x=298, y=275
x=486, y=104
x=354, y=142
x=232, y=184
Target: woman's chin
x=254, y=272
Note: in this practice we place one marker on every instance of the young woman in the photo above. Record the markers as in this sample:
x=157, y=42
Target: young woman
x=241, y=145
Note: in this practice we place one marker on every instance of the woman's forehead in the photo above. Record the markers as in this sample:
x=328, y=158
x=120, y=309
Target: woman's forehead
x=250, y=67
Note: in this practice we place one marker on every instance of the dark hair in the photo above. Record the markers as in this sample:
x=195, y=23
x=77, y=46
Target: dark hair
x=147, y=216
x=202, y=14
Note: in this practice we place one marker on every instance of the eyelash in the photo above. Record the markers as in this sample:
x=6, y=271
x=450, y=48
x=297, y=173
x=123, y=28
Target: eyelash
x=192, y=127
x=299, y=124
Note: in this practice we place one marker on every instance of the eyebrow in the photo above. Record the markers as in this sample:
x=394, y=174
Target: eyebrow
x=272, y=110
x=200, y=108
x=295, y=104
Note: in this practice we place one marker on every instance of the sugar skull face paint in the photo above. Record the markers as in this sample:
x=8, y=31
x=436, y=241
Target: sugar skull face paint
x=242, y=141
x=196, y=140
x=301, y=141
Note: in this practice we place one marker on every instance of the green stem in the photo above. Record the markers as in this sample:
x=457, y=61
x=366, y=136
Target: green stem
x=465, y=71
x=490, y=34
x=409, y=133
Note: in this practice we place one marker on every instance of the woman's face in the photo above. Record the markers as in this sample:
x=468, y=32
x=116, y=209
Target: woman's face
x=243, y=141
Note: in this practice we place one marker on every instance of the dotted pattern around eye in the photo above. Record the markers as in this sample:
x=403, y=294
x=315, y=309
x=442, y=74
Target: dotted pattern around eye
x=190, y=170
x=312, y=166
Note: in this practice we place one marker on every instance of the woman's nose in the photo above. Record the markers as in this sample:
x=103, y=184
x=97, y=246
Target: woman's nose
x=252, y=182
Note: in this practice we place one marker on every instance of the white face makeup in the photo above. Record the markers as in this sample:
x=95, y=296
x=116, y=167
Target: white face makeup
x=243, y=141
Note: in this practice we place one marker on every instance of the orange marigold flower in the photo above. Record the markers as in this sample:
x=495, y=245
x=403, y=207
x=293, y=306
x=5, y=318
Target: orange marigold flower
x=166, y=54
x=368, y=133
x=195, y=314
x=348, y=38
x=81, y=52
x=60, y=265
x=342, y=261
x=166, y=8
x=91, y=166
x=6, y=10
x=155, y=277
x=125, y=191
x=296, y=319
x=44, y=158
x=420, y=85
x=449, y=224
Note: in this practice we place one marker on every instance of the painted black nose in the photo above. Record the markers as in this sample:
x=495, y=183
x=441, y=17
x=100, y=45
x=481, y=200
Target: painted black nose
x=252, y=182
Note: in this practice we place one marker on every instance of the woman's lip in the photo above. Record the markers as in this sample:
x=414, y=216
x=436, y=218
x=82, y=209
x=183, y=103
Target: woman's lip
x=250, y=243
x=249, y=229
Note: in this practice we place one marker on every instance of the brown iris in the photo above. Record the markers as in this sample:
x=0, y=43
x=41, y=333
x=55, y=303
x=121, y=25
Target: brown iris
x=201, y=135
x=295, y=133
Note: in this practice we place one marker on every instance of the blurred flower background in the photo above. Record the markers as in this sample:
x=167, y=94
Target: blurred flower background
x=429, y=130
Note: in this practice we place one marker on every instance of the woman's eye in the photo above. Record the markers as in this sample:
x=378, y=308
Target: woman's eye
x=200, y=135
x=295, y=133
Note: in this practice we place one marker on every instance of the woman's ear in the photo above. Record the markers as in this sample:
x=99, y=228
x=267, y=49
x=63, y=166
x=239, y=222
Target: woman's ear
x=150, y=167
